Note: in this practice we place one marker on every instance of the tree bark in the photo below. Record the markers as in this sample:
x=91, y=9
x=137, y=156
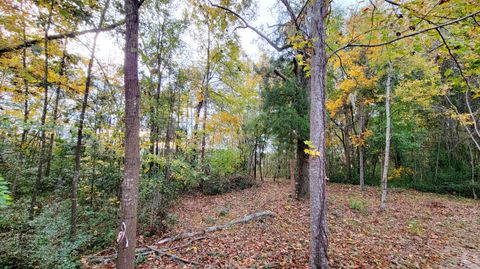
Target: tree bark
x=292, y=177
x=383, y=202
x=78, y=148
x=129, y=200
x=301, y=185
x=361, y=162
x=318, y=193
x=39, y=178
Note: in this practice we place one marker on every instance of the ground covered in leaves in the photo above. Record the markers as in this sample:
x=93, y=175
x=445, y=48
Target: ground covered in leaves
x=418, y=230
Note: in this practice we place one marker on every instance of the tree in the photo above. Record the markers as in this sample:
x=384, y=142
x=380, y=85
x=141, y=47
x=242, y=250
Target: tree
x=317, y=162
x=128, y=227
x=78, y=147
x=386, y=159
x=39, y=178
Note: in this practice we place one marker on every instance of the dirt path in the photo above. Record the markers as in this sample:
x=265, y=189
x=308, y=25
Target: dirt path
x=417, y=230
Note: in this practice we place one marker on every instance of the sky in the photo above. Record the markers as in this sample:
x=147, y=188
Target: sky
x=253, y=44
x=110, y=51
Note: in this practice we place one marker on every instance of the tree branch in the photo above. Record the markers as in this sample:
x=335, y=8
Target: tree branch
x=467, y=92
x=247, y=25
x=406, y=36
x=293, y=17
x=32, y=42
x=280, y=74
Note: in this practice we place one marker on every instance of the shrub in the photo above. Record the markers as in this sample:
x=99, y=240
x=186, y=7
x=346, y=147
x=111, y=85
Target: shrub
x=218, y=184
x=45, y=241
x=224, y=161
x=357, y=205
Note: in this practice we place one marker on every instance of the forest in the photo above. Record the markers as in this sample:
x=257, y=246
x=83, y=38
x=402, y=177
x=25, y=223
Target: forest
x=239, y=134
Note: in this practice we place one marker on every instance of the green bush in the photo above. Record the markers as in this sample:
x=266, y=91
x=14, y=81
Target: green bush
x=357, y=205
x=219, y=184
x=224, y=161
x=5, y=197
x=45, y=241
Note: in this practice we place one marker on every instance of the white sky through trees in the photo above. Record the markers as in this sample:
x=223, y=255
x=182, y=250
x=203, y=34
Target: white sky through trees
x=110, y=51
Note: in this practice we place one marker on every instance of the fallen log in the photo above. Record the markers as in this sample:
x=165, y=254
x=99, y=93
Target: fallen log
x=245, y=219
x=172, y=256
x=142, y=252
x=199, y=234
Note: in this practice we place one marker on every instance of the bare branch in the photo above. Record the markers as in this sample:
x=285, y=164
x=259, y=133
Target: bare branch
x=467, y=92
x=293, y=17
x=32, y=42
x=406, y=36
x=280, y=74
x=247, y=25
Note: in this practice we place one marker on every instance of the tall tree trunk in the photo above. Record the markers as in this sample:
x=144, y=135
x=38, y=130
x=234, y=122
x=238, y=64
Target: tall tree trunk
x=127, y=236
x=25, y=111
x=94, y=169
x=292, y=178
x=78, y=148
x=318, y=192
x=361, y=162
x=255, y=159
x=348, y=146
x=301, y=185
x=156, y=114
x=472, y=163
x=260, y=161
x=170, y=133
x=39, y=178
x=205, y=102
x=437, y=160
x=55, y=113
x=386, y=159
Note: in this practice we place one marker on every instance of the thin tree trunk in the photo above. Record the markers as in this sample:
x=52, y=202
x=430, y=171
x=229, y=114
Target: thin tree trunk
x=292, y=177
x=170, y=133
x=129, y=200
x=361, y=162
x=348, y=146
x=205, y=102
x=55, y=113
x=318, y=192
x=25, y=111
x=255, y=159
x=472, y=162
x=94, y=169
x=383, y=201
x=78, y=148
x=437, y=160
x=39, y=178
x=155, y=122
x=374, y=164
x=260, y=162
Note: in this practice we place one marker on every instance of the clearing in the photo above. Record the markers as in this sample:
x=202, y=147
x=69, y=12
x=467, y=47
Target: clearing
x=418, y=230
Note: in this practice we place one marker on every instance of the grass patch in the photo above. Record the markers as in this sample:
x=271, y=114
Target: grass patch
x=358, y=205
x=414, y=227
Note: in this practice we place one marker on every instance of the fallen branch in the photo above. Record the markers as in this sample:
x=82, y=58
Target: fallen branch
x=245, y=219
x=142, y=252
x=164, y=251
x=172, y=256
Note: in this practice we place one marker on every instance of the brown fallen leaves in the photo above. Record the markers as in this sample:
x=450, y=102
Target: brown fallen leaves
x=417, y=230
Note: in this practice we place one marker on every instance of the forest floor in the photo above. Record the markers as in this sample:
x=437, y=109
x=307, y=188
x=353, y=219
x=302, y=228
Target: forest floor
x=417, y=230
